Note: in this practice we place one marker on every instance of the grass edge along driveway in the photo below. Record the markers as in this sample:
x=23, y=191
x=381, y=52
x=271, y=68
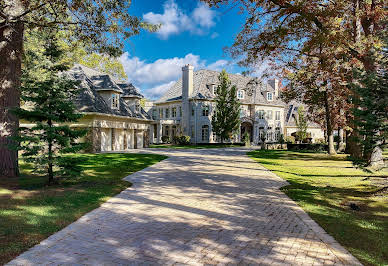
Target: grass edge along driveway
x=31, y=211
x=325, y=187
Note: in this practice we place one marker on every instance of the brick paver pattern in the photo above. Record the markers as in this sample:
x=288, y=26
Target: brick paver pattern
x=214, y=206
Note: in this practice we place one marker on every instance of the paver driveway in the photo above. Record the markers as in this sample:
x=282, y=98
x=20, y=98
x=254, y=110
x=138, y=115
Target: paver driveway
x=212, y=206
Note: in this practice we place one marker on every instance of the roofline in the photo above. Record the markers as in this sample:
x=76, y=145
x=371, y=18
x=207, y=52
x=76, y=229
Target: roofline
x=118, y=116
x=212, y=100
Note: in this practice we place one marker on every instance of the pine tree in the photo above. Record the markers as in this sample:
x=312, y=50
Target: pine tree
x=371, y=116
x=226, y=117
x=47, y=96
x=301, y=124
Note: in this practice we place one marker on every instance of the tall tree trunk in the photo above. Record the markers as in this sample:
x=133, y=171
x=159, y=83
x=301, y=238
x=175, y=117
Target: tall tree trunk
x=353, y=142
x=11, y=47
x=50, y=153
x=341, y=144
x=329, y=129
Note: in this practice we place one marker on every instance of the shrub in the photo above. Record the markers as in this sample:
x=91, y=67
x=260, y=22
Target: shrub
x=184, y=140
x=320, y=141
x=290, y=139
x=307, y=147
x=281, y=139
x=176, y=139
x=247, y=139
x=166, y=139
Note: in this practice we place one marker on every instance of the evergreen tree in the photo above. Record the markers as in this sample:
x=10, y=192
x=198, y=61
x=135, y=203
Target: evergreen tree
x=371, y=115
x=226, y=117
x=47, y=96
x=301, y=124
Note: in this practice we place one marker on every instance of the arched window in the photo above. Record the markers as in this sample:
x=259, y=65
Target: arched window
x=205, y=133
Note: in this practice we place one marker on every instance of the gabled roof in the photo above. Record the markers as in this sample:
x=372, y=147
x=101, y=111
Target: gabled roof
x=201, y=89
x=89, y=101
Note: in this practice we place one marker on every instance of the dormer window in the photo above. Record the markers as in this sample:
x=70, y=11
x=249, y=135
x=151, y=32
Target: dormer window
x=269, y=96
x=137, y=107
x=115, y=101
x=213, y=88
x=240, y=94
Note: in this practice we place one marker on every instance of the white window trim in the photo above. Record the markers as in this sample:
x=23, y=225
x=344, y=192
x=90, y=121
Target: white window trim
x=269, y=93
x=242, y=95
x=115, y=101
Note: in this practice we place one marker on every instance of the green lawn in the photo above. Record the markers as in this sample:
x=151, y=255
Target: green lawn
x=199, y=146
x=325, y=186
x=31, y=211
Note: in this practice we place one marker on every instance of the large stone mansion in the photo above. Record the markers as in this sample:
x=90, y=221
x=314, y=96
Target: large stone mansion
x=117, y=121
x=187, y=107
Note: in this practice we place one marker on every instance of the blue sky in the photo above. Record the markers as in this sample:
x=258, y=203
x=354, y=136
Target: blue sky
x=191, y=32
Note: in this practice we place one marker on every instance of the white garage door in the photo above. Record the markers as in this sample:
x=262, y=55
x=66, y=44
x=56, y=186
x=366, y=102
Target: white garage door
x=106, y=139
x=139, y=136
x=119, y=140
x=130, y=139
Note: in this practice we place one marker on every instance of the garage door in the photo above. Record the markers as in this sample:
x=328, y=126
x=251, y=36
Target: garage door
x=119, y=140
x=106, y=139
x=139, y=136
x=130, y=139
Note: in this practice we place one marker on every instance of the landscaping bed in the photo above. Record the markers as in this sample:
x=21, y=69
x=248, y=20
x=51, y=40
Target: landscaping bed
x=30, y=211
x=350, y=204
x=199, y=146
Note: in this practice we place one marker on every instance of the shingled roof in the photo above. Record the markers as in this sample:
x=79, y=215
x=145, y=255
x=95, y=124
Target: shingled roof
x=89, y=101
x=201, y=89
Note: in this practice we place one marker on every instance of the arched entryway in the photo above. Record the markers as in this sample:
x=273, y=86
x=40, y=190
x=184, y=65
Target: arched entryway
x=246, y=127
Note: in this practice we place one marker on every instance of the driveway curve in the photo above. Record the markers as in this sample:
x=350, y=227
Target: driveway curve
x=198, y=207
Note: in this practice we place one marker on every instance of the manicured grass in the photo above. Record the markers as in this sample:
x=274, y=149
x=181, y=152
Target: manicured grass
x=325, y=186
x=199, y=146
x=31, y=211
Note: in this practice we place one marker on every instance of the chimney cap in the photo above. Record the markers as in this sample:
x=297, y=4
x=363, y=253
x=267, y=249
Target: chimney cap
x=188, y=66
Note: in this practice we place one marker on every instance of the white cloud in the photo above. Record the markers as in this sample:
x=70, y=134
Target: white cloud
x=157, y=91
x=203, y=16
x=159, y=71
x=218, y=65
x=154, y=78
x=174, y=20
x=214, y=35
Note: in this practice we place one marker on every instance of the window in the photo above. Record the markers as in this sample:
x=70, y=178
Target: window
x=269, y=96
x=192, y=111
x=166, y=131
x=115, y=101
x=154, y=114
x=261, y=114
x=180, y=111
x=269, y=134
x=173, y=112
x=137, y=107
x=277, y=115
x=277, y=134
x=205, y=133
x=160, y=113
x=240, y=94
x=167, y=113
x=213, y=88
x=269, y=115
x=205, y=110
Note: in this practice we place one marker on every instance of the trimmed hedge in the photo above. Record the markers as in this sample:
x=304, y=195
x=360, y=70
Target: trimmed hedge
x=307, y=147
